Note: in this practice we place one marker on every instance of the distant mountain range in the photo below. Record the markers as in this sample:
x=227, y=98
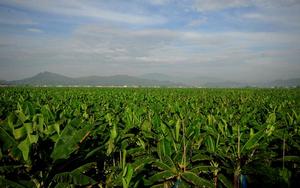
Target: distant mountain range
x=53, y=79
x=146, y=80
x=204, y=81
x=186, y=80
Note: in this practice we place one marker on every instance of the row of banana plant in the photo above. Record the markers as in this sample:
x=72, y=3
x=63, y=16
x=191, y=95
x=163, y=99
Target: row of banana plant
x=112, y=137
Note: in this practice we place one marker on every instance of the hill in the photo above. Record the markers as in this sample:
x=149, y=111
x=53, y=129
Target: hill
x=53, y=79
x=284, y=83
x=147, y=80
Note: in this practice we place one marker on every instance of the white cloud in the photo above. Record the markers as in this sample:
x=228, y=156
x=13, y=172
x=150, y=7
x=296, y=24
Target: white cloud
x=106, y=48
x=14, y=17
x=197, y=22
x=275, y=3
x=286, y=19
x=119, y=50
x=215, y=5
x=34, y=30
x=85, y=9
x=160, y=2
x=282, y=15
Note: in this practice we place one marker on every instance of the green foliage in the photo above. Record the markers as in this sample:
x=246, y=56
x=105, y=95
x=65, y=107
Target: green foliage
x=196, y=180
x=75, y=177
x=69, y=141
x=113, y=137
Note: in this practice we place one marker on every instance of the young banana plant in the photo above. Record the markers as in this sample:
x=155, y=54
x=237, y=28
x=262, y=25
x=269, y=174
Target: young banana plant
x=232, y=148
x=174, y=166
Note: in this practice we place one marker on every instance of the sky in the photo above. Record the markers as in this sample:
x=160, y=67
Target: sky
x=237, y=40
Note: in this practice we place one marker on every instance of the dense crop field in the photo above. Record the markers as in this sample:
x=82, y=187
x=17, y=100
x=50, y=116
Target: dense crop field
x=70, y=137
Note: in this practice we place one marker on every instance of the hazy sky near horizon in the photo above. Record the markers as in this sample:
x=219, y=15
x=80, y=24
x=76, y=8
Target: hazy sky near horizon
x=239, y=40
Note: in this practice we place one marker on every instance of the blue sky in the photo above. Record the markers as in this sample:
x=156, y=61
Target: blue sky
x=239, y=40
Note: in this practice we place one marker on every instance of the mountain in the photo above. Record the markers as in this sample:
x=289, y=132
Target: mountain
x=53, y=79
x=190, y=80
x=45, y=78
x=157, y=76
x=202, y=80
x=207, y=81
x=283, y=83
x=277, y=83
x=121, y=80
x=150, y=80
x=227, y=84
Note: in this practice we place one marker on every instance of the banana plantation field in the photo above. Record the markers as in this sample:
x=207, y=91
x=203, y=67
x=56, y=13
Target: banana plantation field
x=171, y=138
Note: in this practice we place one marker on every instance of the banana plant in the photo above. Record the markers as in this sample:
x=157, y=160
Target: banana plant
x=173, y=173
x=175, y=168
x=113, y=137
x=233, y=149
